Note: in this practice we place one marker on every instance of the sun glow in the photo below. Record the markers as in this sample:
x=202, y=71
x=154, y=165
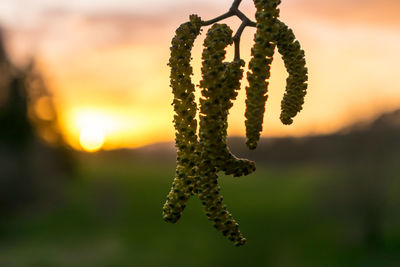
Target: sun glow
x=92, y=138
x=93, y=127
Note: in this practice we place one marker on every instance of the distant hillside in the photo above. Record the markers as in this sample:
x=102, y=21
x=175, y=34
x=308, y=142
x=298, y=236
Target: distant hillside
x=379, y=138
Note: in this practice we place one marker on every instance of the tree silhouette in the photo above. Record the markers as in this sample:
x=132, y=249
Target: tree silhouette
x=32, y=170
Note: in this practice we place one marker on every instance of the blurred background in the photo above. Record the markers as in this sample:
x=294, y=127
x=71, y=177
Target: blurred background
x=87, y=153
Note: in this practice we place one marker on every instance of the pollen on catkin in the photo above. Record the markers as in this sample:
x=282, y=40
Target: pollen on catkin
x=227, y=162
x=212, y=133
x=295, y=63
x=259, y=68
x=220, y=84
x=184, y=119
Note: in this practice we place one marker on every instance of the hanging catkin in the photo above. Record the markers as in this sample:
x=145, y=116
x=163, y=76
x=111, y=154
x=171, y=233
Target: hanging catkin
x=184, y=119
x=202, y=154
x=213, y=130
x=259, y=66
x=295, y=63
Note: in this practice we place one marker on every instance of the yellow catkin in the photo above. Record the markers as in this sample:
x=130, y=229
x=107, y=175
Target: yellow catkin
x=213, y=130
x=295, y=63
x=259, y=68
x=184, y=119
x=226, y=161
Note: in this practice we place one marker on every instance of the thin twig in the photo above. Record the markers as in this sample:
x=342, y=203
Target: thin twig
x=219, y=18
x=236, y=38
x=236, y=4
x=246, y=22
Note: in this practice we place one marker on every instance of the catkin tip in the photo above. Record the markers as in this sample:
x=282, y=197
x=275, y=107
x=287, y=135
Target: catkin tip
x=241, y=242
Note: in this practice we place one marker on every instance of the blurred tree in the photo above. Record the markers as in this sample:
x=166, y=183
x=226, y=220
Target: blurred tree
x=34, y=159
x=16, y=128
x=41, y=109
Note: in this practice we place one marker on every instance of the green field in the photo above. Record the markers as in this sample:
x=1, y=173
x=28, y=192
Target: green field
x=111, y=216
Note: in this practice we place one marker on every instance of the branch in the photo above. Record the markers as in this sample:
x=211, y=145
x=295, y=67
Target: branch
x=246, y=22
x=236, y=4
x=236, y=38
x=219, y=18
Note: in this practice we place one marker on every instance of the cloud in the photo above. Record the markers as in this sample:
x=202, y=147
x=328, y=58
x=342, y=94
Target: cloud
x=104, y=28
x=125, y=28
x=368, y=12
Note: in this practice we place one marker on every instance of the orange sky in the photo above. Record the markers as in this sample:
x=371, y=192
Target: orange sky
x=108, y=67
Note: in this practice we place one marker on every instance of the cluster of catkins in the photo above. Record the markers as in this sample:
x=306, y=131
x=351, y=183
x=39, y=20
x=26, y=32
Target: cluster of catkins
x=202, y=154
x=273, y=33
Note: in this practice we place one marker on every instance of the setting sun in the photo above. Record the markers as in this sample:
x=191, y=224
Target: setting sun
x=92, y=138
x=121, y=127
x=93, y=128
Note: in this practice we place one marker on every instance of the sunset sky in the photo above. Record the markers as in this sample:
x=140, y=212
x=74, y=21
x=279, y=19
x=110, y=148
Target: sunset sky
x=105, y=63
